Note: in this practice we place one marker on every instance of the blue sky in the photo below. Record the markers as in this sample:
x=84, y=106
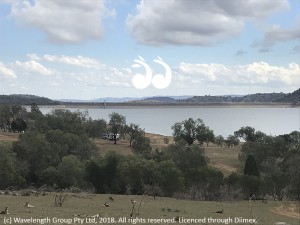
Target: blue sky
x=84, y=49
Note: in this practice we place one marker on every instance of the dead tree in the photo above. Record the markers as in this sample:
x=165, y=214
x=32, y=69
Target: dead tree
x=60, y=198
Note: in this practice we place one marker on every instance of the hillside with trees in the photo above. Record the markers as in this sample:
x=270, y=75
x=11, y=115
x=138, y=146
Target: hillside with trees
x=291, y=97
x=57, y=150
x=237, y=99
x=19, y=99
x=251, y=98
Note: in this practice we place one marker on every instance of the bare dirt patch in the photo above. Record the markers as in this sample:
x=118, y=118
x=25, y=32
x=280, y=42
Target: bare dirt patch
x=7, y=136
x=290, y=210
x=224, y=167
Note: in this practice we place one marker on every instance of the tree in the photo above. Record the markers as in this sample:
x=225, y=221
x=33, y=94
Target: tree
x=71, y=172
x=49, y=176
x=172, y=179
x=187, y=157
x=265, y=149
x=232, y=141
x=249, y=134
x=5, y=117
x=39, y=151
x=204, y=182
x=64, y=120
x=94, y=128
x=219, y=140
x=204, y=134
x=250, y=185
x=18, y=125
x=133, y=131
x=117, y=124
x=35, y=109
x=251, y=167
x=33, y=150
x=141, y=145
x=187, y=130
x=10, y=170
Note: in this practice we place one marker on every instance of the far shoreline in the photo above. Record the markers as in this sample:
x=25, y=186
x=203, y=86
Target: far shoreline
x=133, y=105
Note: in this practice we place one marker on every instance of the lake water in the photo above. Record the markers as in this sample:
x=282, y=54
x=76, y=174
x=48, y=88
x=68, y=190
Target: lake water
x=223, y=121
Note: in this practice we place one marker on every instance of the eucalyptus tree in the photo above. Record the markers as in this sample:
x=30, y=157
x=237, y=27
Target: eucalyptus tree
x=117, y=124
x=187, y=130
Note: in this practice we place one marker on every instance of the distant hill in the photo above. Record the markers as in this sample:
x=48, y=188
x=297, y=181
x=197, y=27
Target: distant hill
x=160, y=99
x=26, y=100
x=291, y=97
x=261, y=97
x=251, y=98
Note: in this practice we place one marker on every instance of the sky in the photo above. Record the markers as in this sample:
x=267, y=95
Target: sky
x=89, y=49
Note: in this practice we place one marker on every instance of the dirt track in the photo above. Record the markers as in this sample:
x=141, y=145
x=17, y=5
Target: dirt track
x=291, y=210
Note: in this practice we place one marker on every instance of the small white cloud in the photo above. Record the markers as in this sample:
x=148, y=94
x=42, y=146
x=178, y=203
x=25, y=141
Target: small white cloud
x=74, y=61
x=34, y=67
x=6, y=72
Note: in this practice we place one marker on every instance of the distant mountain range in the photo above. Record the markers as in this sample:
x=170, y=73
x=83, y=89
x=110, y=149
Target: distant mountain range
x=292, y=98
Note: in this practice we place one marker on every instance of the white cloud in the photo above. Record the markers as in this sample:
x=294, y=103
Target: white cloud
x=74, y=61
x=67, y=21
x=255, y=74
x=199, y=22
x=6, y=72
x=34, y=67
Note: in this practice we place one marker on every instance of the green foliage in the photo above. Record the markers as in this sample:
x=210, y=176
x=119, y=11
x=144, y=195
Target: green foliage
x=172, y=179
x=219, y=140
x=71, y=172
x=206, y=182
x=249, y=134
x=250, y=168
x=204, y=134
x=187, y=130
x=10, y=171
x=232, y=141
x=117, y=124
x=18, y=125
x=133, y=130
x=187, y=157
x=50, y=176
x=291, y=167
x=250, y=185
x=141, y=145
x=94, y=128
x=40, y=151
x=5, y=116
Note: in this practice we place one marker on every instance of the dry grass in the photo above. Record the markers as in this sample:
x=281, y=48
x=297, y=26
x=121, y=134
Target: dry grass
x=8, y=136
x=85, y=205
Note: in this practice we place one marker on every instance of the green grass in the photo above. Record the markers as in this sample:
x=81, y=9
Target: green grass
x=88, y=204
